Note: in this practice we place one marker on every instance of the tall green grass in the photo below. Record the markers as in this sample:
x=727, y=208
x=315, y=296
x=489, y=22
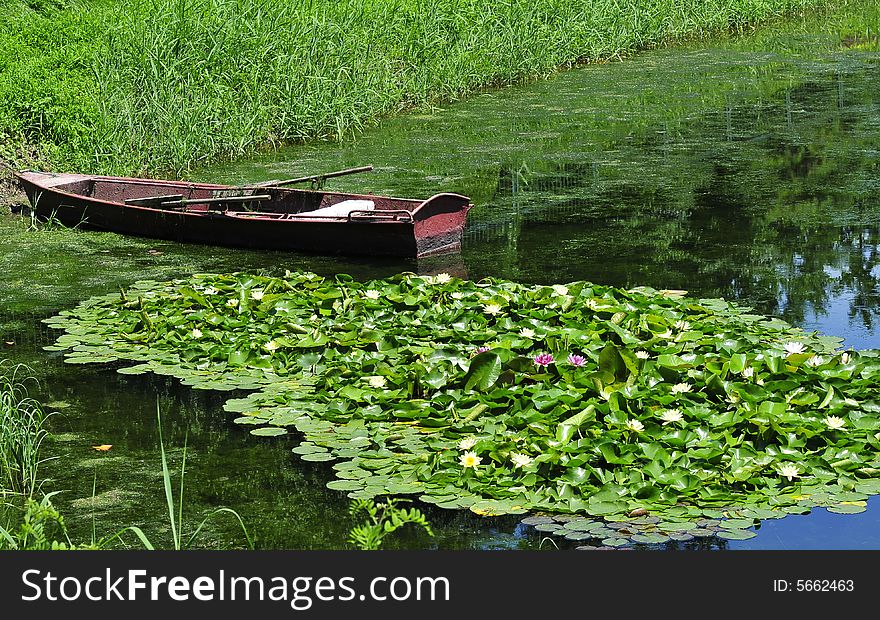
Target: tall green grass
x=21, y=433
x=165, y=85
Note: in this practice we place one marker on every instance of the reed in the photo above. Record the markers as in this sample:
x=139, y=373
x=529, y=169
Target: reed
x=22, y=432
x=167, y=85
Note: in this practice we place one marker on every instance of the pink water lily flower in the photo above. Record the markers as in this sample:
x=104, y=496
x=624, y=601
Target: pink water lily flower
x=544, y=359
x=577, y=360
x=482, y=350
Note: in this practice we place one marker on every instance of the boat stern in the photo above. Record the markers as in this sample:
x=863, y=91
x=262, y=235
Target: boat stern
x=439, y=224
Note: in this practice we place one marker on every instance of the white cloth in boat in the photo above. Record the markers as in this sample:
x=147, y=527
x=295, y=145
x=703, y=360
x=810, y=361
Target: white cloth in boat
x=340, y=209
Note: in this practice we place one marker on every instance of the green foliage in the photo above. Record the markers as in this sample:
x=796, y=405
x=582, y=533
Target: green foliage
x=21, y=432
x=663, y=411
x=123, y=85
x=380, y=520
x=40, y=529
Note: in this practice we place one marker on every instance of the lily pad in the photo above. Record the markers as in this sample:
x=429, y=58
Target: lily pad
x=269, y=431
x=736, y=534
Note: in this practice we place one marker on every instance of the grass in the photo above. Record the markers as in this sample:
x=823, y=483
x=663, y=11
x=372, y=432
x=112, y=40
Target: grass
x=41, y=526
x=130, y=86
x=22, y=431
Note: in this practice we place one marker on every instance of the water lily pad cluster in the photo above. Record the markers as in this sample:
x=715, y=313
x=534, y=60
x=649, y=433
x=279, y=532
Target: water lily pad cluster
x=638, y=407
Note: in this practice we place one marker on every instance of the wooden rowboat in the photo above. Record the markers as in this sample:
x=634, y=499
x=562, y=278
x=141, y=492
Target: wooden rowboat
x=257, y=216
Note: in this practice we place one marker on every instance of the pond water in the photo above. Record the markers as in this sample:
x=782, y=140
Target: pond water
x=746, y=168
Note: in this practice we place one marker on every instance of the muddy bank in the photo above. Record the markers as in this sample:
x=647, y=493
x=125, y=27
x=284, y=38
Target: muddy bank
x=10, y=193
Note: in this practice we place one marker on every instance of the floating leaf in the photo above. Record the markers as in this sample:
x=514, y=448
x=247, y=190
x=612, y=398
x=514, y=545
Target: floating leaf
x=736, y=534
x=483, y=372
x=269, y=431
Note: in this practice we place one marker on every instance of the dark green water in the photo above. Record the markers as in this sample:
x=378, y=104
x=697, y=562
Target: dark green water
x=747, y=169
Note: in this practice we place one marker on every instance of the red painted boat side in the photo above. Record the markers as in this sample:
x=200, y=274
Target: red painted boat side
x=420, y=228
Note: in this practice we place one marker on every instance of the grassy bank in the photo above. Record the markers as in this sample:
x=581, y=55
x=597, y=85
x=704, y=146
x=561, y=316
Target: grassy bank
x=128, y=86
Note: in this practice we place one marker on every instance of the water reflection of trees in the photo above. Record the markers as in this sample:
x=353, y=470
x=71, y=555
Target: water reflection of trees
x=783, y=215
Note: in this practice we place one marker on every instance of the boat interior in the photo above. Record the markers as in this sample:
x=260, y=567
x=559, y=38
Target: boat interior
x=245, y=202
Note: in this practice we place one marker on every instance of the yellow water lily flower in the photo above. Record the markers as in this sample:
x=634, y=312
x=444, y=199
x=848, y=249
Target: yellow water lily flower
x=470, y=460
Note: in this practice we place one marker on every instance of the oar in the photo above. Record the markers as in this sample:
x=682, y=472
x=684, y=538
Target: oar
x=222, y=200
x=315, y=178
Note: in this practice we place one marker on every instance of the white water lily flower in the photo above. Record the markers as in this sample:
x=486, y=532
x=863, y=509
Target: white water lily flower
x=834, y=422
x=525, y=332
x=759, y=381
x=592, y=304
x=748, y=372
x=844, y=358
x=671, y=415
x=788, y=470
x=470, y=459
x=682, y=388
x=257, y=294
x=467, y=443
x=682, y=326
x=642, y=355
x=520, y=460
x=816, y=360
x=457, y=295
x=793, y=347
x=559, y=289
x=197, y=333
x=372, y=294
x=232, y=303
x=635, y=425
x=377, y=381
x=271, y=346
x=210, y=291
x=442, y=278
x=491, y=309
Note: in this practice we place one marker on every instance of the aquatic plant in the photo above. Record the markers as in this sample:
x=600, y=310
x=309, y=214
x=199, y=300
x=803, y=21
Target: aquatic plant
x=22, y=432
x=40, y=529
x=726, y=415
x=380, y=520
